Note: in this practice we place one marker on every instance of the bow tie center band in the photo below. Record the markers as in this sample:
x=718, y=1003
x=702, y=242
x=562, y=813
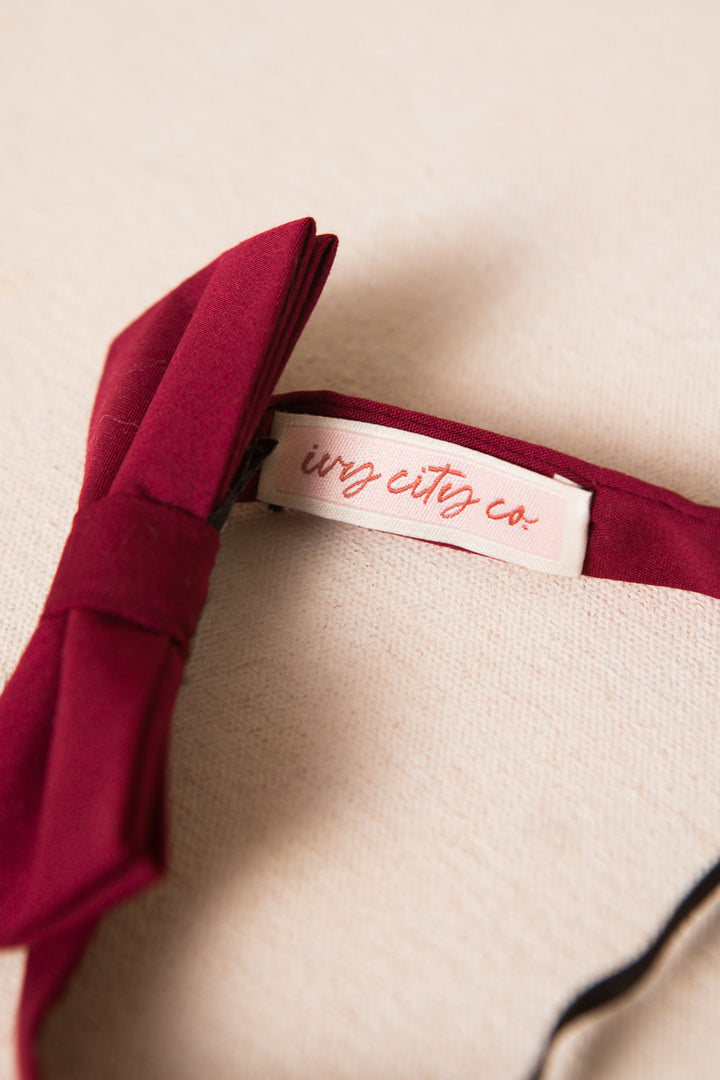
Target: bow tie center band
x=182, y=427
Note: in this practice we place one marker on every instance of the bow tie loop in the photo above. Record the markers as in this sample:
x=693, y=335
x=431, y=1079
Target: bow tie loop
x=136, y=560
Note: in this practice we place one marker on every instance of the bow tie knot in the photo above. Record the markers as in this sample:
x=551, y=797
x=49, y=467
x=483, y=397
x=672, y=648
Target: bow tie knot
x=136, y=560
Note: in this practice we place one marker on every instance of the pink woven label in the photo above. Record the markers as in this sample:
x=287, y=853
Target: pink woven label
x=399, y=482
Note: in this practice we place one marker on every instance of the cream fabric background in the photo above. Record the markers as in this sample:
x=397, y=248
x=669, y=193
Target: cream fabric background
x=418, y=798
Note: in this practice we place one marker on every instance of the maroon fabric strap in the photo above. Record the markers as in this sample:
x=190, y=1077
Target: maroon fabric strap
x=139, y=561
x=638, y=531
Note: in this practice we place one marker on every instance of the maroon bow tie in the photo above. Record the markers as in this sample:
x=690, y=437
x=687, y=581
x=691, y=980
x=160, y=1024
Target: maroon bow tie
x=84, y=719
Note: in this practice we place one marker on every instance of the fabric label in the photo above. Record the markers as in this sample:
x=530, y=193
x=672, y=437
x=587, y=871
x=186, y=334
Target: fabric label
x=399, y=482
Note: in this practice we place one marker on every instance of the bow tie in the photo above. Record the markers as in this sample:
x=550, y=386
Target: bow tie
x=84, y=719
